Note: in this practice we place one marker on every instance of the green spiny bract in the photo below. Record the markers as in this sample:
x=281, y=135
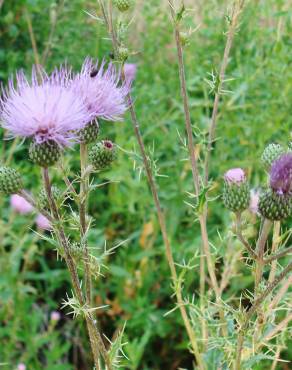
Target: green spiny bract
x=123, y=5
x=122, y=54
x=43, y=199
x=184, y=38
x=290, y=146
x=271, y=153
x=10, y=181
x=76, y=250
x=89, y=133
x=274, y=206
x=236, y=197
x=103, y=154
x=45, y=154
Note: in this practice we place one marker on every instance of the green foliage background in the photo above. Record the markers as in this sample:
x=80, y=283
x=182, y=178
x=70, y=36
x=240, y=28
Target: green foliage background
x=137, y=284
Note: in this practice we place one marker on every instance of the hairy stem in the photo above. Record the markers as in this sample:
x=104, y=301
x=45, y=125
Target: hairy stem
x=253, y=309
x=195, y=173
x=96, y=341
x=237, y=7
x=83, y=195
x=161, y=218
x=242, y=239
x=260, y=250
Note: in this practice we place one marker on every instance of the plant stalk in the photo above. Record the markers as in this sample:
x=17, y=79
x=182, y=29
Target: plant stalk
x=96, y=341
x=83, y=196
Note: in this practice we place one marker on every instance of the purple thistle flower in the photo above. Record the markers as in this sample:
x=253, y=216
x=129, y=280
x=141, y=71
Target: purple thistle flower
x=100, y=87
x=20, y=205
x=130, y=70
x=235, y=176
x=45, y=109
x=281, y=174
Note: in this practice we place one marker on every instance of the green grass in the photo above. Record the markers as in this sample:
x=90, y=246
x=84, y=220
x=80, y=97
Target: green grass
x=137, y=285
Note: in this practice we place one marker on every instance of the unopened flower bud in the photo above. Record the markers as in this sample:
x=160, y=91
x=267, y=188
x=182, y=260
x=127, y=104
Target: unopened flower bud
x=123, y=5
x=122, y=54
x=271, y=153
x=10, y=181
x=76, y=250
x=184, y=38
x=89, y=133
x=103, y=154
x=236, y=194
x=44, y=154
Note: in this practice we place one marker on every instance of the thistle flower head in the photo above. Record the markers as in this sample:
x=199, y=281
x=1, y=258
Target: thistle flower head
x=55, y=316
x=130, y=70
x=45, y=109
x=99, y=86
x=281, y=174
x=20, y=205
x=235, y=176
x=43, y=223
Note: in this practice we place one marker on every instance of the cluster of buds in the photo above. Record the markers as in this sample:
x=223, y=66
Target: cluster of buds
x=274, y=202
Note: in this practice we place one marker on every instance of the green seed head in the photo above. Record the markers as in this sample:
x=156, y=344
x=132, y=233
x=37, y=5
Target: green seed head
x=271, y=153
x=103, y=154
x=10, y=181
x=45, y=154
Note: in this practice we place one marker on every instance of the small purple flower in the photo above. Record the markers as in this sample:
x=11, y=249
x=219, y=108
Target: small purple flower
x=254, y=201
x=99, y=86
x=55, y=316
x=130, y=70
x=21, y=366
x=281, y=174
x=20, y=205
x=43, y=223
x=235, y=176
x=44, y=109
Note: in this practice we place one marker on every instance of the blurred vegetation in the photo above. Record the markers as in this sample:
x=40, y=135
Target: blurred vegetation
x=136, y=285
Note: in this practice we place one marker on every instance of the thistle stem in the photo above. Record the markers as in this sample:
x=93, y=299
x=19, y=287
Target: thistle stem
x=260, y=250
x=83, y=195
x=97, y=345
x=242, y=239
x=237, y=7
x=195, y=173
x=253, y=309
x=161, y=217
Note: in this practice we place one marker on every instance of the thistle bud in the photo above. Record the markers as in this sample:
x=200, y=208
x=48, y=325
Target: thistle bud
x=274, y=206
x=122, y=54
x=271, y=153
x=236, y=194
x=89, y=133
x=76, y=250
x=184, y=38
x=123, y=5
x=103, y=154
x=44, y=154
x=43, y=199
x=10, y=181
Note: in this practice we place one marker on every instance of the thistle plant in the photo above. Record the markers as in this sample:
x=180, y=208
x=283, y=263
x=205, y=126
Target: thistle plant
x=55, y=112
